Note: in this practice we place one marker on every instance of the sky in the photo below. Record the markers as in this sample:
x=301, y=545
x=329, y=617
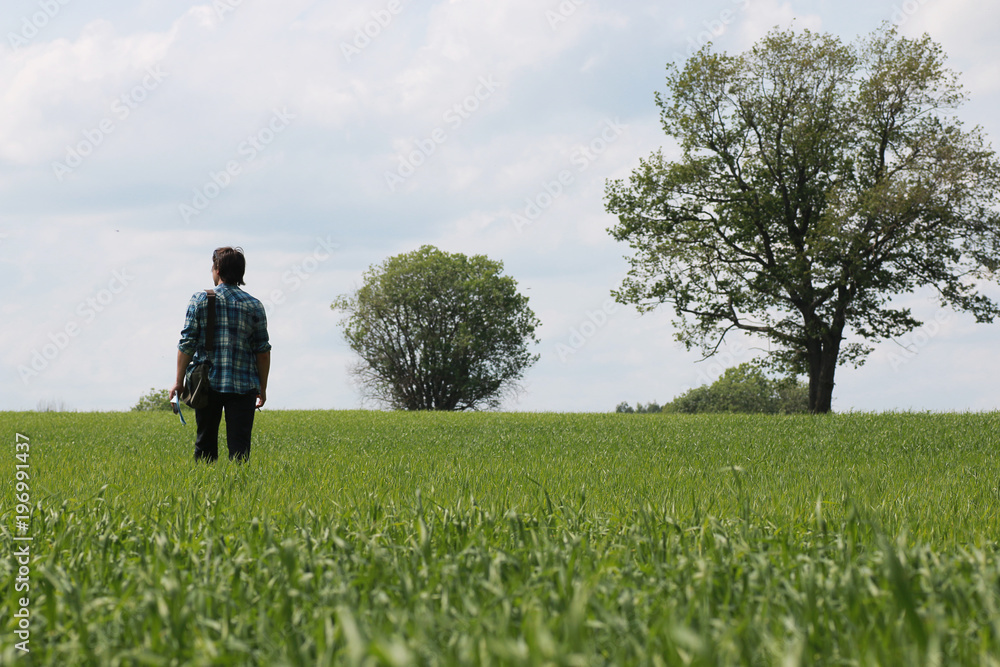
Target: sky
x=324, y=136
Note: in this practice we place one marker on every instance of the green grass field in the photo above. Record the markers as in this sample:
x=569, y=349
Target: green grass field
x=368, y=538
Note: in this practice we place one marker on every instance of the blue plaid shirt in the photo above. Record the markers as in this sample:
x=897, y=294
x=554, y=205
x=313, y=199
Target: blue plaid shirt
x=240, y=335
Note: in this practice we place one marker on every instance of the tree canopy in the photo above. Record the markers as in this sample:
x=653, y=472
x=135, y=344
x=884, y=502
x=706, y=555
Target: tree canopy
x=438, y=331
x=816, y=181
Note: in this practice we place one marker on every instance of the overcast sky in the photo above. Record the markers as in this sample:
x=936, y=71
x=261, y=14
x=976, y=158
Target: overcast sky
x=324, y=136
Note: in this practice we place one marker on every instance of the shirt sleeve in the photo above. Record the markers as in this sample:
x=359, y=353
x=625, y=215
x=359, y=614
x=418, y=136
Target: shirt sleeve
x=191, y=331
x=260, y=342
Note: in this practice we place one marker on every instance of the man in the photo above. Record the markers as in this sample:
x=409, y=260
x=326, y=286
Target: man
x=240, y=360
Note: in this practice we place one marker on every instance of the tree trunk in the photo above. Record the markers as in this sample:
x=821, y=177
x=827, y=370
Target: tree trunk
x=822, y=353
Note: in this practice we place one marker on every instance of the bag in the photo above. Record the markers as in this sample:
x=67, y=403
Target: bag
x=197, y=390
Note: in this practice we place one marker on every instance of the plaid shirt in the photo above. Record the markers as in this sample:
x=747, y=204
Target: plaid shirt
x=240, y=335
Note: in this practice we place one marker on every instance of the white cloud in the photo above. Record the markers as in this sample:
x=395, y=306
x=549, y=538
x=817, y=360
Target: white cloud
x=965, y=29
x=52, y=91
x=762, y=16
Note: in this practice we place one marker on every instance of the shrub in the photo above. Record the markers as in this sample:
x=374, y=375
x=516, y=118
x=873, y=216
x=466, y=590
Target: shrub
x=154, y=399
x=744, y=388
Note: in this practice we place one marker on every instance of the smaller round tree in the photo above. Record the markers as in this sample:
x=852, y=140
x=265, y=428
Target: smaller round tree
x=438, y=331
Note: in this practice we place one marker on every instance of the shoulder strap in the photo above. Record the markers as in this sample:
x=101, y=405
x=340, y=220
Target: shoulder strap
x=210, y=331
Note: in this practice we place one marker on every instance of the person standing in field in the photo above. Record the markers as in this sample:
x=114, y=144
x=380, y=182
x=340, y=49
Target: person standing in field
x=240, y=360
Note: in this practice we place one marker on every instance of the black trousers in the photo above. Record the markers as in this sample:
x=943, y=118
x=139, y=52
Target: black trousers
x=239, y=410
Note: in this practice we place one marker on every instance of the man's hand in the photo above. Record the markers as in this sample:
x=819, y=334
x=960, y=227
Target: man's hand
x=182, y=363
x=261, y=398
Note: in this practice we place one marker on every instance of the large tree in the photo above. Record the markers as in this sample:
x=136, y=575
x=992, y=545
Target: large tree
x=439, y=331
x=815, y=181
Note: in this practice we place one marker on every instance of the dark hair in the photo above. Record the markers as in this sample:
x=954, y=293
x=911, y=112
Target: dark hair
x=231, y=264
